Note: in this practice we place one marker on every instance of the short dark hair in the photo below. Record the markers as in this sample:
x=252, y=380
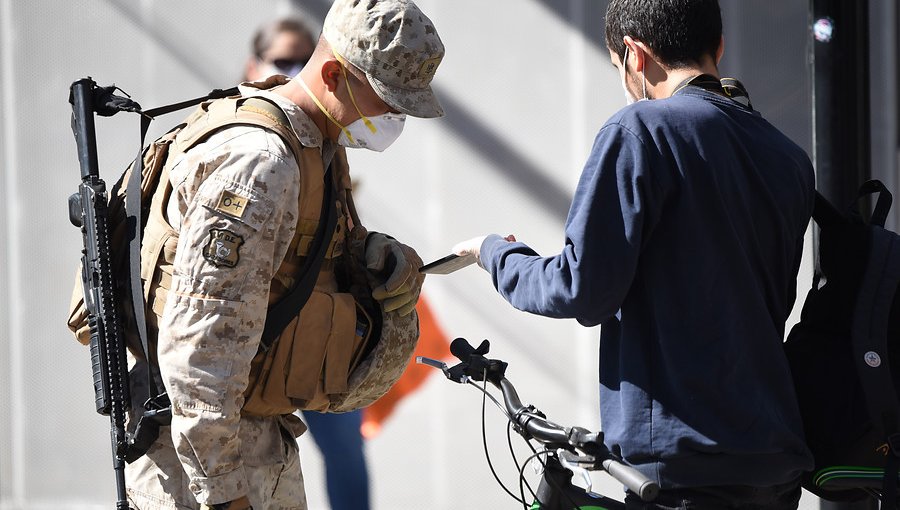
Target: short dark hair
x=679, y=32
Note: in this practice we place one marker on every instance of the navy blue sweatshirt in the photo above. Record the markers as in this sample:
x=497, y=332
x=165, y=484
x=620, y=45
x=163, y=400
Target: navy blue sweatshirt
x=683, y=240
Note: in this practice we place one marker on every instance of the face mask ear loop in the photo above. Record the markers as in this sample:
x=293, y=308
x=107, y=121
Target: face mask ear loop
x=365, y=119
x=644, y=82
x=321, y=107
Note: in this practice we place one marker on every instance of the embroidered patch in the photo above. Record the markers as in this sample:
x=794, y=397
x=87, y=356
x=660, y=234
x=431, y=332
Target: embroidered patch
x=232, y=204
x=429, y=67
x=222, y=248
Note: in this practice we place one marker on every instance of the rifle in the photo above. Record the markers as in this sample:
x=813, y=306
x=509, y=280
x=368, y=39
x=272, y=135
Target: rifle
x=88, y=211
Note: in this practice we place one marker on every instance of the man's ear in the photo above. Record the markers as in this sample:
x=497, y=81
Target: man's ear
x=720, y=50
x=638, y=51
x=331, y=74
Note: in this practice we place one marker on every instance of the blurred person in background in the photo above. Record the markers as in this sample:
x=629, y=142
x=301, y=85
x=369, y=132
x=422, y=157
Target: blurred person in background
x=283, y=47
x=683, y=241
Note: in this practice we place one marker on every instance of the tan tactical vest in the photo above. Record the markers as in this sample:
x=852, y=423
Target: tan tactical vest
x=309, y=366
x=325, y=332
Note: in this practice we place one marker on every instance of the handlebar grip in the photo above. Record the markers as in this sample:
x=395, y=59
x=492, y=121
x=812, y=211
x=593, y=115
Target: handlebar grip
x=461, y=348
x=633, y=479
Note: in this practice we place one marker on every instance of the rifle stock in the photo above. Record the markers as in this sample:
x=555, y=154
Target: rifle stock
x=88, y=211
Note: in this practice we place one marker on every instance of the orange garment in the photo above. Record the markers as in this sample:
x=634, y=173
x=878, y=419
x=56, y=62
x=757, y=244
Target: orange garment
x=432, y=344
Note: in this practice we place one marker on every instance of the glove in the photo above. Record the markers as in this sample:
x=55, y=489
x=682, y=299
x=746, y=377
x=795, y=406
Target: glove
x=241, y=503
x=473, y=246
x=396, y=267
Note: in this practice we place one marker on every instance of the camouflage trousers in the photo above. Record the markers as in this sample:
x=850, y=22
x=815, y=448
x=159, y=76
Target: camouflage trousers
x=157, y=481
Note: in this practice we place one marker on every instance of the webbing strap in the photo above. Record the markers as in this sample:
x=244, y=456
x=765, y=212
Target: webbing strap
x=174, y=107
x=882, y=204
x=280, y=315
x=133, y=222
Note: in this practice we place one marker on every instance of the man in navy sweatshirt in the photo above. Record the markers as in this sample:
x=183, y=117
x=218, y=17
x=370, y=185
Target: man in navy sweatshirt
x=683, y=241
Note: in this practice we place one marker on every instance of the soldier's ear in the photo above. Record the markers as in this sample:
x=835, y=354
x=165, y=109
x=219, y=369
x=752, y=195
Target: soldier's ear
x=331, y=74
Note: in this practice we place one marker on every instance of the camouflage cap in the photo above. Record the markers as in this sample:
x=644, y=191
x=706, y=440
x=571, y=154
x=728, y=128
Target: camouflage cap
x=395, y=44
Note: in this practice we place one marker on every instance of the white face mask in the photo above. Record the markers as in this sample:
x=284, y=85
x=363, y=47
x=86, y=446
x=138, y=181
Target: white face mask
x=378, y=135
x=629, y=99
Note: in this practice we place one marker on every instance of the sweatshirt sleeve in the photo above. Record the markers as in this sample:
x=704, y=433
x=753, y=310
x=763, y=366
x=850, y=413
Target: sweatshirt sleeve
x=608, y=219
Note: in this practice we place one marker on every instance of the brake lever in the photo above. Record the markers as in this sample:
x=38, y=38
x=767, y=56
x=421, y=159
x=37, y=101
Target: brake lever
x=456, y=374
x=573, y=462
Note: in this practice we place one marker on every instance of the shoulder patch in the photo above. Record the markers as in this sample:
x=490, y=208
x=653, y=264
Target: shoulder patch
x=232, y=204
x=222, y=248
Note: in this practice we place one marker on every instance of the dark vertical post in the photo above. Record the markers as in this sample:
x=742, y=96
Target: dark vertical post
x=840, y=69
x=840, y=81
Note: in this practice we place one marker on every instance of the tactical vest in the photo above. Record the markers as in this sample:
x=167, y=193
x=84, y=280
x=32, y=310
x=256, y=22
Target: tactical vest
x=319, y=348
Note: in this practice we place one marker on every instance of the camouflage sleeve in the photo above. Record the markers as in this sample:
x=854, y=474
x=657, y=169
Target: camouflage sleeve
x=233, y=232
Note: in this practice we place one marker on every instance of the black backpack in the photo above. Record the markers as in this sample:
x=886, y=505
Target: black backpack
x=840, y=354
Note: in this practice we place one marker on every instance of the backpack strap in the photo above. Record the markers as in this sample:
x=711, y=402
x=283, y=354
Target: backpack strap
x=871, y=317
x=283, y=312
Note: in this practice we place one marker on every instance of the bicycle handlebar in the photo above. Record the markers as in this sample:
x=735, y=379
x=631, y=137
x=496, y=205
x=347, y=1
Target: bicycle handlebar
x=530, y=421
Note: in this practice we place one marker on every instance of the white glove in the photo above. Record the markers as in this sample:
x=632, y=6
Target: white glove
x=473, y=246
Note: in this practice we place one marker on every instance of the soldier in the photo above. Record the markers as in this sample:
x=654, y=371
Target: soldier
x=234, y=211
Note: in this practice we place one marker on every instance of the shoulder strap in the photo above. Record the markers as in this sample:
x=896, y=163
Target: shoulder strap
x=280, y=315
x=236, y=111
x=871, y=316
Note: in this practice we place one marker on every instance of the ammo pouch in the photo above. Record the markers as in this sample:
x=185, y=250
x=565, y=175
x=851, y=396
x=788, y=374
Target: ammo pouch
x=309, y=365
x=375, y=361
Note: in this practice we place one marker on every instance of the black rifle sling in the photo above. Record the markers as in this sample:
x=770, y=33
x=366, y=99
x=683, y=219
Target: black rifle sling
x=280, y=315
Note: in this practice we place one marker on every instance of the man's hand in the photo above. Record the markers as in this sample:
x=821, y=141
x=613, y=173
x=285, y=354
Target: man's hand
x=473, y=246
x=396, y=265
x=241, y=503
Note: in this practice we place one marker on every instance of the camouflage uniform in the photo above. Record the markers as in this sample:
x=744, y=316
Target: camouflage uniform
x=216, y=305
x=213, y=319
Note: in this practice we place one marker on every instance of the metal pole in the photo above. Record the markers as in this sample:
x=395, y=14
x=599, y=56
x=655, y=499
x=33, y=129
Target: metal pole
x=841, y=142
x=840, y=67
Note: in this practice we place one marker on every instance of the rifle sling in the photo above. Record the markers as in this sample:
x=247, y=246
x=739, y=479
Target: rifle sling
x=283, y=312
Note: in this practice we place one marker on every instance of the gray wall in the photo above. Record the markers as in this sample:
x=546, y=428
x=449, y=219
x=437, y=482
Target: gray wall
x=526, y=85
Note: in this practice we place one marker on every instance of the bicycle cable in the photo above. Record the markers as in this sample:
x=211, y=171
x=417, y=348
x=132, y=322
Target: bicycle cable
x=512, y=452
x=549, y=479
x=536, y=455
x=487, y=454
x=469, y=380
